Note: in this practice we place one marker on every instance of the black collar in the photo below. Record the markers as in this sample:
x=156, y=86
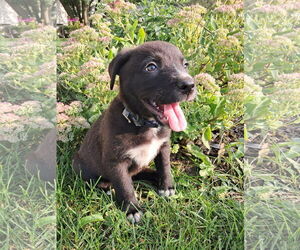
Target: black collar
x=139, y=121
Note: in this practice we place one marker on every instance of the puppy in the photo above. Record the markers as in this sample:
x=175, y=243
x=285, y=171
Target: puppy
x=136, y=127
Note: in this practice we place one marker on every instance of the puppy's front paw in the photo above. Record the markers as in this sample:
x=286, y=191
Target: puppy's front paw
x=134, y=217
x=166, y=192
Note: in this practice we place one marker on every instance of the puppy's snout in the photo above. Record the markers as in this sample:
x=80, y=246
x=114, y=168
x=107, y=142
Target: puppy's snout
x=186, y=86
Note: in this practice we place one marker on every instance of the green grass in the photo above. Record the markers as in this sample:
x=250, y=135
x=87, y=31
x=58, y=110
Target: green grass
x=27, y=207
x=193, y=219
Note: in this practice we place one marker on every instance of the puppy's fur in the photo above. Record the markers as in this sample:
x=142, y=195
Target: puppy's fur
x=117, y=150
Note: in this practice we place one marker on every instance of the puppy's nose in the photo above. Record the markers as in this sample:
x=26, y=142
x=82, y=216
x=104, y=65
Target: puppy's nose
x=186, y=86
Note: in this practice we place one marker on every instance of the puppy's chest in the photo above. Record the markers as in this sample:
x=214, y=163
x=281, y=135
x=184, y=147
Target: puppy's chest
x=146, y=152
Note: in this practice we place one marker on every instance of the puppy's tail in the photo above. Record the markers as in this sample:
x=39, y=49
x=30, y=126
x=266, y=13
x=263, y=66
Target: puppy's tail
x=147, y=174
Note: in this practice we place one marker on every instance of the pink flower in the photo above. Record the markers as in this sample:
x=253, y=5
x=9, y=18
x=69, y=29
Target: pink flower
x=119, y=6
x=29, y=108
x=291, y=6
x=103, y=77
x=60, y=107
x=42, y=122
x=80, y=122
x=85, y=34
x=27, y=20
x=225, y=9
x=290, y=76
x=5, y=107
x=73, y=19
x=105, y=39
x=48, y=66
x=9, y=117
x=76, y=105
x=4, y=57
x=208, y=82
x=173, y=22
x=61, y=118
x=271, y=9
x=74, y=47
x=95, y=64
x=70, y=41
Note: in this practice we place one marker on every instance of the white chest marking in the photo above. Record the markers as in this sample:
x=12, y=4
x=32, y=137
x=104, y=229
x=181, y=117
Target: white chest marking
x=145, y=153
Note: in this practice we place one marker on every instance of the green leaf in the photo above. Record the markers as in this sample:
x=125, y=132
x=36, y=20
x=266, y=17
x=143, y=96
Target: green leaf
x=274, y=74
x=196, y=151
x=91, y=218
x=175, y=148
x=213, y=23
x=141, y=36
x=110, y=55
x=259, y=66
x=134, y=25
x=46, y=221
x=246, y=137
x=208, y=133
x=220, y=109
x=206, y=137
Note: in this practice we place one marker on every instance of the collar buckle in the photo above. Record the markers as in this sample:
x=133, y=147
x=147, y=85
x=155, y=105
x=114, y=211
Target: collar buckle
x=139, y=121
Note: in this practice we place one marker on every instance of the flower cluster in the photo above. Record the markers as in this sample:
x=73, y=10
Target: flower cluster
x=208, y=82
x=23, y=46
x=270, y=9
x=104, y=77
x=229, y=42
x=192, y=13
x=225, y=41
x=85, y=34
x=119, y=6
x=17, y=119
x=42, y=34
x=73, y=47
x=68, y=117
x=93, y=67
x=173, y=22
x=242, y=86
x=287, y=88
x=29, y=107
x=280, y=42
x=4, y=57
x=73, y=19
x=285, y=96
x=229, y=9
x=189, y=14
x=291, y=6
x=290, y=76
x=102, y=28
x=26, y=20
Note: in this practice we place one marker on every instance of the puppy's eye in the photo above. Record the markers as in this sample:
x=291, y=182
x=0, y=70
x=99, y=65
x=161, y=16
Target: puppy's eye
x=151, y=67
x=186, y=64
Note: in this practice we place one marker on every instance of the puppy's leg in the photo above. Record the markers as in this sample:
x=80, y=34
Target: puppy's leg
x=147, y=174
x=123, y=185
x=162, y=163
x=104, y=185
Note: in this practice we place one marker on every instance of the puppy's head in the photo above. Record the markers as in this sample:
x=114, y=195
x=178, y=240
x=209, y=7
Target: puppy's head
x=153, y=80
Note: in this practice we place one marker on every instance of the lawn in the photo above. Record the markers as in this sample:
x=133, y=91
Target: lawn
x=207, y=210
x=194, y=217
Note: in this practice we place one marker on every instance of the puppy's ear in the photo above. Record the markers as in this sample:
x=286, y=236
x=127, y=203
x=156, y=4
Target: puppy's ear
x=116, y=64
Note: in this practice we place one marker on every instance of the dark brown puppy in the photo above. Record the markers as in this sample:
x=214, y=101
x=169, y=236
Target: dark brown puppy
x=137, y=125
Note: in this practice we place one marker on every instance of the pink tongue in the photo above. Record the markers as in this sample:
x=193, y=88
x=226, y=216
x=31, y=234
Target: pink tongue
x=177, y=121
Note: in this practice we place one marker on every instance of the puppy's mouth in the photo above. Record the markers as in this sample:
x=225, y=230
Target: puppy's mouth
x=170, y=114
